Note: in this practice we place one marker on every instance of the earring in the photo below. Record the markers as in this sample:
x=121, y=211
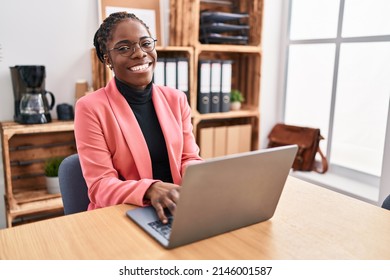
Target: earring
x=107, y=63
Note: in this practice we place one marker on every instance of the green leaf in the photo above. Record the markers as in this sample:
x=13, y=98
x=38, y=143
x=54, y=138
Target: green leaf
x=52, y=165
x=236, y=95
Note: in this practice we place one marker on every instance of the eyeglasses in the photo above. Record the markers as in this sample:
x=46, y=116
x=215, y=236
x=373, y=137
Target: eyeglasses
x=147, y=44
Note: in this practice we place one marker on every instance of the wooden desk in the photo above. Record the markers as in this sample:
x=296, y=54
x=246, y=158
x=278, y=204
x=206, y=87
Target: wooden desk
x=310, y=223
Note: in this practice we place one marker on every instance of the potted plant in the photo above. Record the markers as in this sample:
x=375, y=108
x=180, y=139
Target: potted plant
x=236, y=98
x=51, y=174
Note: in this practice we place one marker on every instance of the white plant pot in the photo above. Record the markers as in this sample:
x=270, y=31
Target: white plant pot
x=52, y=185
x=235, y=106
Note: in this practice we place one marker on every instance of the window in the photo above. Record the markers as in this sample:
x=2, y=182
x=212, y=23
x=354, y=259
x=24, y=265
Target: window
x=338, y=79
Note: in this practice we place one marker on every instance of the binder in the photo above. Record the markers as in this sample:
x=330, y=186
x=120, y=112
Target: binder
x=182, y=76
x=204, y=86
x=159, y=72
x=238, y=139
x=170, y=72
x=215, y=86
x=206, y=142
x=220, y=141
x=226, y=85
x=245, y=138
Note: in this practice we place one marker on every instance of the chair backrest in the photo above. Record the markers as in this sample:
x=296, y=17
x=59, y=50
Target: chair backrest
x=73, y=187
x=386, y=203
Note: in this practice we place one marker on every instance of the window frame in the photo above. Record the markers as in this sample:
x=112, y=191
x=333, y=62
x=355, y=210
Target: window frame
x=338, y=171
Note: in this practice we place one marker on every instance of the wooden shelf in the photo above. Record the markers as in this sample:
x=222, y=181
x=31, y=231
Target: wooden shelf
x=10, y=128
x=228, y=115
x=246, y=62
x=227, y=48
x=174, y=48
x=25, y=150
x=37, y=207
x=34, y=195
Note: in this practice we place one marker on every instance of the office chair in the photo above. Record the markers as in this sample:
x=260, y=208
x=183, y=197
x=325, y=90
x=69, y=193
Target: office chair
x=73, y=187
x=386, y=203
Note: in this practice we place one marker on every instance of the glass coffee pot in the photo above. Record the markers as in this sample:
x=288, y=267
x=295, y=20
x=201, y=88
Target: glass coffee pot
x=35, y=108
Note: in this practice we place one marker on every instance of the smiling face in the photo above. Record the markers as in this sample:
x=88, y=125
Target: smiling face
x=137, y=69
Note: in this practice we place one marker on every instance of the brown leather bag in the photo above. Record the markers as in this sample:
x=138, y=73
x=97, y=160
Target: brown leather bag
x=307, y=139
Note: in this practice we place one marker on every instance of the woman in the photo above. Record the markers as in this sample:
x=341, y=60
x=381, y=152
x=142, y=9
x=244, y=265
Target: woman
x=134, y=138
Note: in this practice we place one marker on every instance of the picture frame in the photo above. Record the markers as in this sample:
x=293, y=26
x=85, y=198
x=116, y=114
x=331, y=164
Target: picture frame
x=149, y=11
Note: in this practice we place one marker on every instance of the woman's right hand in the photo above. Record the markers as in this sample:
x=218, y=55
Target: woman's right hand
x=163, y=195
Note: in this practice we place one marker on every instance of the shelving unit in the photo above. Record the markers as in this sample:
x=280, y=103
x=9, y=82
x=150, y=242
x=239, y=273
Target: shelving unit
x=246, y=68
x=25, y=150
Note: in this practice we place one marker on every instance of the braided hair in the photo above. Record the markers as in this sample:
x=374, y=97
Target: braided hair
x=104, y=33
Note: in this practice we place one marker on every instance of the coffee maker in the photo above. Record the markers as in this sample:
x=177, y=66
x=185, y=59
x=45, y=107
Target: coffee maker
x=30, y=97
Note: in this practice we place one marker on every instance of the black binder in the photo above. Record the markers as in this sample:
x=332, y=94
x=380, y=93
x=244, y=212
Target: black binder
x=183, y=76
x=171, y=72
x=216, y=75
x=204, y=74
x=159, y=72
x=226, y=85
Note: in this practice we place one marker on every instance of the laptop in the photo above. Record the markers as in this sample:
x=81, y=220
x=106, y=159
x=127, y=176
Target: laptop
x=220, y=195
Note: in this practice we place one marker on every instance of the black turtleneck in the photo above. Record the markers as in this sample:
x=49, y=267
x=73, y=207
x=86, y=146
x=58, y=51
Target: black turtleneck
x=141, y=103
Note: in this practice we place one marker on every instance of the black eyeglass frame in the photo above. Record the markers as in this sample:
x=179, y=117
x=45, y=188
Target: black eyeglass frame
x=133, y=47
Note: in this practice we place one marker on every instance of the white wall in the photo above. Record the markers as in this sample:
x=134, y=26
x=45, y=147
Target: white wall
x=57, y=34
x=271, y=102
x=54, y=33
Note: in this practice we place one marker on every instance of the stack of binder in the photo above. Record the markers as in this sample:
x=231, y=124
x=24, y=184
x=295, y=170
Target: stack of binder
x=223, y=28
x=214, y=86
x=173, y=72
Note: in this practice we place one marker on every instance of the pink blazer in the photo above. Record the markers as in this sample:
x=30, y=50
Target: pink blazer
x=113, y=152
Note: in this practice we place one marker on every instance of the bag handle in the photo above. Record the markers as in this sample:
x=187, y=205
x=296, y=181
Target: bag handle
x=324, y=163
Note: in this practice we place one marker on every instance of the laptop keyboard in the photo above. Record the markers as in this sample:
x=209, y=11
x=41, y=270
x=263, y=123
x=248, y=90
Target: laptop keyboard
x=163, y=229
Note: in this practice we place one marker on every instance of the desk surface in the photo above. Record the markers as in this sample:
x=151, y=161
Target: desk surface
x=310, y=223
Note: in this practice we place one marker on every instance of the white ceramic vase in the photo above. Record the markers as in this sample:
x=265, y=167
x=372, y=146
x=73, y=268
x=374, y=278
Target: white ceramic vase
x=52, y=185
x=235, y=106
